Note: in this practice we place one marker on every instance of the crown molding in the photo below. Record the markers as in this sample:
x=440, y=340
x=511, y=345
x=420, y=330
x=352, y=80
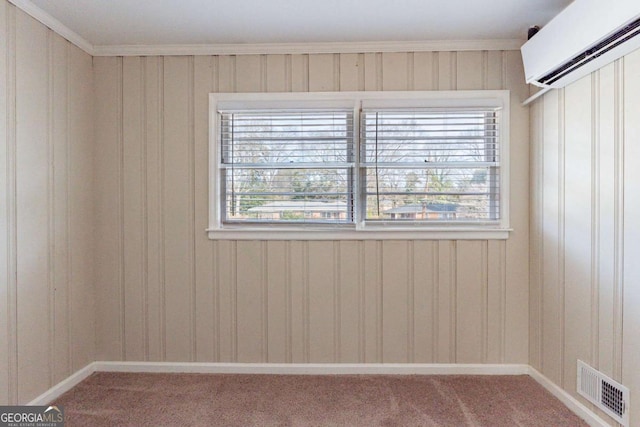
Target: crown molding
x=307, y=48
x=261, y=48
x=49, y=21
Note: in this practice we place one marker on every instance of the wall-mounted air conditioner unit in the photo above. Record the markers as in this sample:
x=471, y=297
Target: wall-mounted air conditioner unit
x=585, y=36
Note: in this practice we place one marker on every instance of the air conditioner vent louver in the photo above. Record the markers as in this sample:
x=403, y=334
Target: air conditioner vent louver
x=611, y=42
x=607, y=394
x=586, y=36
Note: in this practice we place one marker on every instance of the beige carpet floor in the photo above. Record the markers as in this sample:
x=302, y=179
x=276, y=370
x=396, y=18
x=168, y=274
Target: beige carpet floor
x=120, y=399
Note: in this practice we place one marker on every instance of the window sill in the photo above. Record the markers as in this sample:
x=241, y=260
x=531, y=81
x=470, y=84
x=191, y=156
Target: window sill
x=440, y=233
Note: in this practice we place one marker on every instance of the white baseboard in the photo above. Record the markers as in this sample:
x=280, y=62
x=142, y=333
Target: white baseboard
x=569, y=401
x=313, y=368
x=278, y=368
x=63, y=386
x=323, y=369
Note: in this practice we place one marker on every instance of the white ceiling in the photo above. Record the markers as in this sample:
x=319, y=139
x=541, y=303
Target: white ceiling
x=178, y=22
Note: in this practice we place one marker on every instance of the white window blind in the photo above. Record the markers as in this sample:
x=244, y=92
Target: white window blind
x=425, y=165
x=287, y=166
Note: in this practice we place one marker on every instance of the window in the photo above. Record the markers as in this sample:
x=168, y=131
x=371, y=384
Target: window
x=286, y=167
x=431, y=165
x=359, y=165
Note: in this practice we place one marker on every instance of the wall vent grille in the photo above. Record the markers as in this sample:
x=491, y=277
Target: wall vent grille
x=607, y=394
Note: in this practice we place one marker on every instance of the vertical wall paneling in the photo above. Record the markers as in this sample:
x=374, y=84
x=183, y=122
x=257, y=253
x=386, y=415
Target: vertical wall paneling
x=552, y=319
x=422, y=301
x=372, y=300
x=306, y=304
x=177, y=208
x=248, y=73
x=225, y=302
x=276, y=72
x=372, y=71
x=447, y=70
x=288, y=309
x=299, y=75
x=60, y=215
x=395, y=288
x=322, y=76
x=411, y=71
x=410, y=308
x=132, y=199
x=630, y=291
x=605, y=155
x=536, y=236
x=470, y=70
x=45, y=248
x=361, y=304
x=321, y=283
x=587, y=248
x=8, y=285
x=394, y=71
x=264, y=288
x=577, y=235
x=595, y=219
x=33, y=275
x=424, y=77
x=469, y=302
x=561, y=266
x=107, y=270
x=192, y=215
x=494, y=309
x=620, y=187
x=144, y=211
x=350, y=71
x=249, y=301
x=276, y=301
x=494, y=78
x=205, y=301
x=152, y=190
x=4, y=209
x=226, y=73
x=337, y=301
x=446, y=339
x=162, y=179
x=81, y=223
x=50, y=262
x=295, y=301
x=120, y=210
x=350, y=303
x=539, y=229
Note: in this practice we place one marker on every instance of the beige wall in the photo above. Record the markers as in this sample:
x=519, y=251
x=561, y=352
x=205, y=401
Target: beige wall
x=166, y=292
x=46, y=279
x=585, y=269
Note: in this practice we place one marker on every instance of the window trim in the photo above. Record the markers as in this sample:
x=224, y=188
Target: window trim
x=357, y=100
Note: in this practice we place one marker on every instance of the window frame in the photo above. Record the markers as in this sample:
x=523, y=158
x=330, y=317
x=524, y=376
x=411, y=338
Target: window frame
x=359, y=230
